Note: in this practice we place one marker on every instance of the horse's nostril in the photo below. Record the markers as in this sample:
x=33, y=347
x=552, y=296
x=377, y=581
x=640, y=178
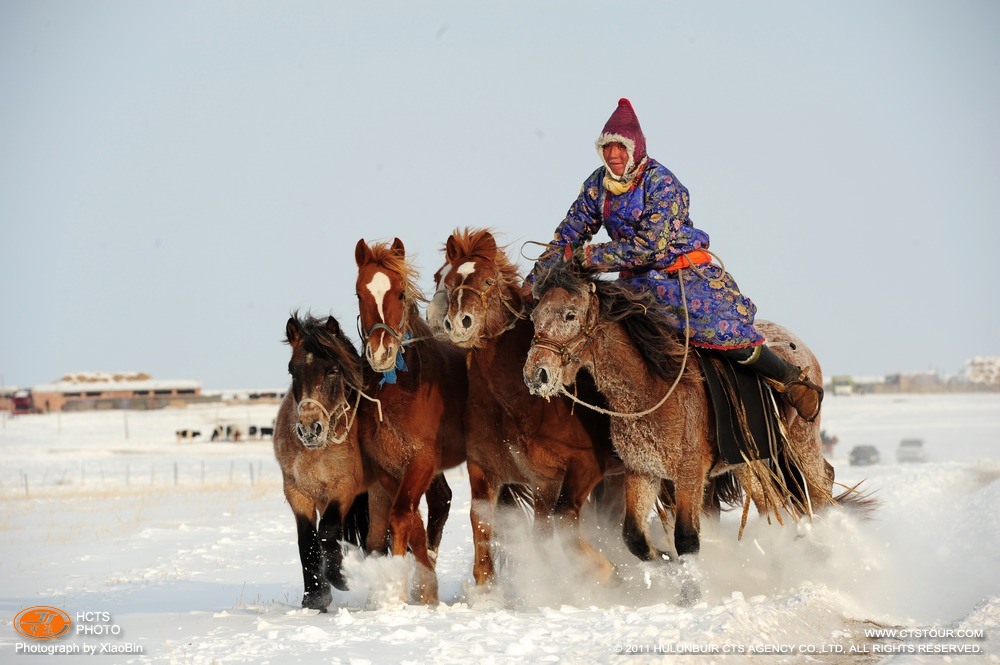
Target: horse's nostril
x=467, y=321
x=542, y=376
x=447, y=325
x=300, y=430
x=318, y=428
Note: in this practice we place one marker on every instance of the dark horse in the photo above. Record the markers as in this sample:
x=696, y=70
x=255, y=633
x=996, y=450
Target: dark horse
x=421, y=384
x=559, y=452
x=635, y=359
x=324, y=471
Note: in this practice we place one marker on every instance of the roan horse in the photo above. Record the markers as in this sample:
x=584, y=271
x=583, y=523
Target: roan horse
x=584, y=322
x=512, y=437
x=421, y=383
x=323, y=467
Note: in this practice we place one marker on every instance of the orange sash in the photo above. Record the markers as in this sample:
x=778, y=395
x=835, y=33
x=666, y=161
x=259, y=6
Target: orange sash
x=696, y=257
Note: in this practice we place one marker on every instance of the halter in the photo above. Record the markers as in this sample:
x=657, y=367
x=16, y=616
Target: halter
x=344, y=409
x=505, y=300
x=396, y=335
x=569, y=351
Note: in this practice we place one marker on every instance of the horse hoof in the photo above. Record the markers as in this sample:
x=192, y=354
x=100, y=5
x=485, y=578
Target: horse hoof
x=317, y=601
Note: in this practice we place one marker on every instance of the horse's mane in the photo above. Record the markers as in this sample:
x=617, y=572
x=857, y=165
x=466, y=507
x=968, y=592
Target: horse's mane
x=334, y=345
x=384, y=255
x=659, y=344
x=477, y=242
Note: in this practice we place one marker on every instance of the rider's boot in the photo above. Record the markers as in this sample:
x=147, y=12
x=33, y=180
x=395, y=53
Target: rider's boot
x=791, y=381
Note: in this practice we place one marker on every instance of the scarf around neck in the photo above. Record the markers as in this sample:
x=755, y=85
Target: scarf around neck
x=616, y=186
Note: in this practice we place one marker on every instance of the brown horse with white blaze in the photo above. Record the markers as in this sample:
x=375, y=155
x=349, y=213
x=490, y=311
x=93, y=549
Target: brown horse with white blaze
x=635, y=359
x=422, y=386
x=558, y=452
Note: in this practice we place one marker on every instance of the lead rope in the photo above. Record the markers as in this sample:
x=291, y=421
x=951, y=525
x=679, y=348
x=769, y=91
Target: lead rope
x=687, y=348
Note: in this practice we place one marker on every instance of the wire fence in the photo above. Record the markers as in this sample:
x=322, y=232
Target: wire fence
x=136, y=476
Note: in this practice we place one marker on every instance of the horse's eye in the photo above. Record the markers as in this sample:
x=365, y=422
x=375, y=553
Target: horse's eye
x=401, y=295
x=489, y=282
x=571, y=315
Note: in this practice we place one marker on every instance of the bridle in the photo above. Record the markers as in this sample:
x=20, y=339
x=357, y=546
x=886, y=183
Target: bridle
x=505, y=300
x=398, y=335
x=569, y=351
x=344, y=414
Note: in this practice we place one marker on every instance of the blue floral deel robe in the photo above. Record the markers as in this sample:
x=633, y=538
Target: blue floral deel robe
x=649, y=229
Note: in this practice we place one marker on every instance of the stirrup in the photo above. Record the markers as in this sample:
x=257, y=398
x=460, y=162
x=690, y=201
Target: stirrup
x=805, y=382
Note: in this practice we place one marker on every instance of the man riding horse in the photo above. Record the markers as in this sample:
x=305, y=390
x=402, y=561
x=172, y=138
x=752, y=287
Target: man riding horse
x=644, y=209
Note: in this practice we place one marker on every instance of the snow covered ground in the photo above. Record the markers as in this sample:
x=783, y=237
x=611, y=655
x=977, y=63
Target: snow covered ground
x=186, y=550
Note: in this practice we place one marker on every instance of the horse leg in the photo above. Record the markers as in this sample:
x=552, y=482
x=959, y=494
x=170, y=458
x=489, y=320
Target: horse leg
x=579, y=482
x=687, y=523
x=316, y=591
x=379, y=503
x=408, y=530
x=438, y=506
x=484, y=502
x=330, y=533
x=426, y=587
x=640, y=495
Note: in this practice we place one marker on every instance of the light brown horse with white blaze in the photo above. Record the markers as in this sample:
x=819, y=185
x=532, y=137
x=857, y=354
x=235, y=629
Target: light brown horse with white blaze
x=559, y=452
x=422, y=386
x=582, y=322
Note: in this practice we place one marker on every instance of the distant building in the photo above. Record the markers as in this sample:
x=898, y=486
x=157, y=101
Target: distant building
x=123, y=390
x=982, y=371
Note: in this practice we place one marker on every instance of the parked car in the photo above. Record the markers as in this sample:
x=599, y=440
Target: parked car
x=911, y=450
x=864, y=455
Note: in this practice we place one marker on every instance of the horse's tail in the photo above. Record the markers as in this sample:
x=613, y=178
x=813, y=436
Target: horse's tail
x=861, y=502
x=517, y=496
x=727, y=491
x=357, y=522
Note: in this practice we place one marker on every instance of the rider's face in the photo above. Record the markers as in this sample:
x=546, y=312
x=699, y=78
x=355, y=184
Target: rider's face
x=616, y=157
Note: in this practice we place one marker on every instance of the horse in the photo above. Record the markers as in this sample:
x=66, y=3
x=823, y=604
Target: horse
x=323, y=468
x=559, y=452
x=422, y=385
x=583, y=322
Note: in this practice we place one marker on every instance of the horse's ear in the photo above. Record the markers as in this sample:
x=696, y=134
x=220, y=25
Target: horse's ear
x=451, y=249
x=397, y=246
x=594, y=308
x=487, y=247
x=333, y=326
x=293, y=334
x=362, y=253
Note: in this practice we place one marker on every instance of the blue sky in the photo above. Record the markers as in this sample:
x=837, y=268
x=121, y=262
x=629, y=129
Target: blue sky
x=175, y=178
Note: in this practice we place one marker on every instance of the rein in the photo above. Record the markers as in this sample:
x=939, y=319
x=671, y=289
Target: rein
x=567, y=353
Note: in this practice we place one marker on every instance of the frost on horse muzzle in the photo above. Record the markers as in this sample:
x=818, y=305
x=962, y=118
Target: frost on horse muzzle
x=543, y=373
x=316, y=426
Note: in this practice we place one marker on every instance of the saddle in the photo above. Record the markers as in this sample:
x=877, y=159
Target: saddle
x=747, y=421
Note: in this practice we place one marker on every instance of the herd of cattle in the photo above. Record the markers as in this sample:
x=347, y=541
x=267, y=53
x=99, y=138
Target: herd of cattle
x=227, y=433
